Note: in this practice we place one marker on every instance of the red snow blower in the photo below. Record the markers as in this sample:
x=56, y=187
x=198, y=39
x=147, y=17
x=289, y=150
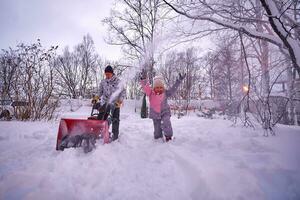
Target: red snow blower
x=82, y=132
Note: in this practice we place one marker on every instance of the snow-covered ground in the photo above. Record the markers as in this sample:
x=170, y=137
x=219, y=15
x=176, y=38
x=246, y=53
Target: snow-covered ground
x=209, y=159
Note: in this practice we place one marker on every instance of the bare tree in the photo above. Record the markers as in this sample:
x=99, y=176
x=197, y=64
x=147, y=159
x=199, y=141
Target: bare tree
x=284, y=20
x=133, y=25
x=184, y=62
x=8, y=62
x=78, y=70
x=223, y=69
x=240, y=16
x=29, y=80
x=67, y=68
x=85, y=53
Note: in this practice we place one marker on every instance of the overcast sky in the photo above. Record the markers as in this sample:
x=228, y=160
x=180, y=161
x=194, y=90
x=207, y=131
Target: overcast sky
x=55, y=22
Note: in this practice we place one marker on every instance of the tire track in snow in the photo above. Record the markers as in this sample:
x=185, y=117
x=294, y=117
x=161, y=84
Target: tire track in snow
x=191, y=174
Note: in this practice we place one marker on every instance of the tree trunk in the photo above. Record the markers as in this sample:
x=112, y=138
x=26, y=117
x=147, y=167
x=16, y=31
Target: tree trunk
x=290, y=94
x=265, y=68
x=297, y=103
x=144, y=110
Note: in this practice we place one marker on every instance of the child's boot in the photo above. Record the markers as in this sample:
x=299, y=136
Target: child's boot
x=168, y=138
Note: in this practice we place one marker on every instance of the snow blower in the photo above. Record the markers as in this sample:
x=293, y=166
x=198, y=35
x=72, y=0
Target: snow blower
x=83, y=132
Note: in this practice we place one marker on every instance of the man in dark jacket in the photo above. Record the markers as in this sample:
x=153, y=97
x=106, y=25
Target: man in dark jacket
x=111, y=97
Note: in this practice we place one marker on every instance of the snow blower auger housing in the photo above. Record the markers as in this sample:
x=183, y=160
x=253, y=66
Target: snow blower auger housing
x=81, y=132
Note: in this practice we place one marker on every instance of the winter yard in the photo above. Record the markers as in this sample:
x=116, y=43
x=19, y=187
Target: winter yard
x=209, y=159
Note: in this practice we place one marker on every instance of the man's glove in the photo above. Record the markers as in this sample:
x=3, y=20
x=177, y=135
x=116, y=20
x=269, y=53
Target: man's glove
x=181, y=77
x=143, y=74
x=118, y=104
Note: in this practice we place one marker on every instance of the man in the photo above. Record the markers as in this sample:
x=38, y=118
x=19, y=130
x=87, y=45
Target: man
x=111, y=97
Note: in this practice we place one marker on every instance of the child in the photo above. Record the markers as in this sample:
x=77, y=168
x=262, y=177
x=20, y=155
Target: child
x=160, y=111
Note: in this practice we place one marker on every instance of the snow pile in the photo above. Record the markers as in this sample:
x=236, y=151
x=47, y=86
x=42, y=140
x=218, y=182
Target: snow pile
x=208, y=159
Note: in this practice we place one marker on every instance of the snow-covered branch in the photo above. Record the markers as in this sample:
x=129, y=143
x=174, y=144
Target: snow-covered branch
x=282, y=38
x=279, y=28
x=252, y=33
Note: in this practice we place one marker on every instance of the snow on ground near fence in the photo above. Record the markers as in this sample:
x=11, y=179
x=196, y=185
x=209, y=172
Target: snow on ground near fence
x=209, y=159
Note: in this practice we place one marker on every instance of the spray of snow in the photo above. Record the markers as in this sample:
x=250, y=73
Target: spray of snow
x=144, y=63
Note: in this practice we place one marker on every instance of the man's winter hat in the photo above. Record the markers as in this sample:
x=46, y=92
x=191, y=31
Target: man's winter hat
x=109, y=69
x=158, y=81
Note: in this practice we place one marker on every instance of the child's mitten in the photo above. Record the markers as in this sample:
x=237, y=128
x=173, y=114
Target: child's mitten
x=181, y=77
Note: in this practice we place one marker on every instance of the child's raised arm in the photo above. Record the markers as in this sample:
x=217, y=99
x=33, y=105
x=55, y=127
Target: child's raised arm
x=145, y=83
x=170, y=92
x=146, y=87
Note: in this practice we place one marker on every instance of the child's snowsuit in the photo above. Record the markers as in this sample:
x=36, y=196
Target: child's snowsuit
x=160, y=111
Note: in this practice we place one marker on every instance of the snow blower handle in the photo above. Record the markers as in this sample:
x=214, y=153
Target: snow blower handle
x=181, y=77
x=118, y=103
x=143, y=74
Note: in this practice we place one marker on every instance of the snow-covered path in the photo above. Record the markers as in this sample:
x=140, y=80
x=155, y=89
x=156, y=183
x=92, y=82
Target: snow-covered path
x=209, y=159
